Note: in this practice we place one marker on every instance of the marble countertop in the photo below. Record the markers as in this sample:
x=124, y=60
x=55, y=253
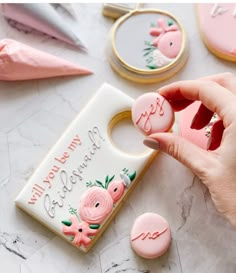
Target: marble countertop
x=33, y=115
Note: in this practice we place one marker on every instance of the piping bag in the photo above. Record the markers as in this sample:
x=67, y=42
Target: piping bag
x=21, y=62
x=44, y=18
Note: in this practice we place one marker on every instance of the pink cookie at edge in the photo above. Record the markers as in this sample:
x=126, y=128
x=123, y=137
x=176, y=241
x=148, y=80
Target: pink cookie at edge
x=198, y=137
x=150, y=236
x=152, y=113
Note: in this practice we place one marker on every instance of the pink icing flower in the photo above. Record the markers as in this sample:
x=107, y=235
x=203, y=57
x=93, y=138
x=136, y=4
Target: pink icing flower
x=116, y=190
x=80, y=231
x=169, y=38
x=95, y=205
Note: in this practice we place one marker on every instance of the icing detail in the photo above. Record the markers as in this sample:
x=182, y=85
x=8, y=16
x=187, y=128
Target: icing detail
x=37, y=192
x=80, y=232
x=95, y=205
x=165, y=47
x=67, y=223
x=217, y=10
x=94, y=226
x=217, y=25
x=101, y=184
x=149, y=235
x=57, y=194
x=97, y=202
x=152, y=113
x=125, y=179
x=116, y=190
x=170, y=22
x=154, y=108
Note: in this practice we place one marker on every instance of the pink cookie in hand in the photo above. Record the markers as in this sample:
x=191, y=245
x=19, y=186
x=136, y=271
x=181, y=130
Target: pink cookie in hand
x=198, y=137
x=150, y=236
x=152, y=113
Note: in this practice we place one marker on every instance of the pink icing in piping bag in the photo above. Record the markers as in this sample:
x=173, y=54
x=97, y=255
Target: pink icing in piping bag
x=21, y=62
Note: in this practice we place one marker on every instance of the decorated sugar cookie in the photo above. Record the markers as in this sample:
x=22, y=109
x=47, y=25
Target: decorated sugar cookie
x=81, y=184
x=150, y=236
x=147, y=46
x=217, y=24
x=152, y=113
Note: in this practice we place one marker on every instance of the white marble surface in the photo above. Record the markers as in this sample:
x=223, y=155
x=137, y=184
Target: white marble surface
x=33, y=115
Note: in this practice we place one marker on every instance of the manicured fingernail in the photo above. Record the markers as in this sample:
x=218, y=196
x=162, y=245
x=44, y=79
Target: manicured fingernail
x=151, y=143
x=194, y=121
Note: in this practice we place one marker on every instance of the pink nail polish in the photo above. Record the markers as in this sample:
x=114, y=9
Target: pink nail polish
x=151, y=143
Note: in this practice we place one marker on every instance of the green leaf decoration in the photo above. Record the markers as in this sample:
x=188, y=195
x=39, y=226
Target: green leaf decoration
x=149, y=60
x=152, y=66
x=108, y=182
x=148, y=43
x=125, y=170
x=107, y=178
x=148, y=52
x=152, y=25
x=71, y=238
x=170, y=22
x=132, y=176
x=145, y=54
x=147, y=48
x=90, y=184
x=67, y=222
x=99, y=183
x=111, y=178
x=72, y=211
x=94, y=226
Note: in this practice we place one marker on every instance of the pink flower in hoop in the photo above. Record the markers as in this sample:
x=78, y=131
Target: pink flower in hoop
x=80, y=231
x=160, y=30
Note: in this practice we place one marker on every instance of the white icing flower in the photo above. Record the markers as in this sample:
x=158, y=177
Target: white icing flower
x=159, y=59
x=126, y=179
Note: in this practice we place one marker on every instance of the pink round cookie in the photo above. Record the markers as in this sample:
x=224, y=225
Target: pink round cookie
x=152, y=113
x=198, y=137
x=150, y=236
x=217, y=23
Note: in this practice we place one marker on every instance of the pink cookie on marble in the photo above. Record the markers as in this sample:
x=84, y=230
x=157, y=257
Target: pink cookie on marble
x=152, y=113
x=150, y=236
x=217, y=24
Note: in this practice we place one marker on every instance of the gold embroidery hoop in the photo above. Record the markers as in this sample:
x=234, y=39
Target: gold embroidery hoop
x=134, y=73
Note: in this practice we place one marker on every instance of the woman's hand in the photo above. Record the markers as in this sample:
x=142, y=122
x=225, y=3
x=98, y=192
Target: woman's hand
x=216, y=167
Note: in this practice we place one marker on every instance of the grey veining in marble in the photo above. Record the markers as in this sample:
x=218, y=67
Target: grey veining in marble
x=33, y=115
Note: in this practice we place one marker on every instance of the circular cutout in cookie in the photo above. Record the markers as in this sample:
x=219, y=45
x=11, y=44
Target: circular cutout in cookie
x=124, y=135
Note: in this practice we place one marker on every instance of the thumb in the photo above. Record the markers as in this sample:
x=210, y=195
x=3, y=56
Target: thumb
x=181, y=149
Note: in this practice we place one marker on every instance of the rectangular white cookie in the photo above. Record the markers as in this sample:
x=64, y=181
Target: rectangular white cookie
x=79, y=181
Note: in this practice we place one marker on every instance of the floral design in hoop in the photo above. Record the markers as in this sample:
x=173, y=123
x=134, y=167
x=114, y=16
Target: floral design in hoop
x=166, y=45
